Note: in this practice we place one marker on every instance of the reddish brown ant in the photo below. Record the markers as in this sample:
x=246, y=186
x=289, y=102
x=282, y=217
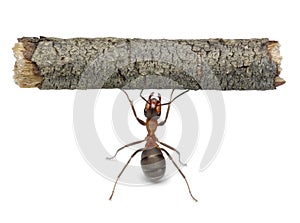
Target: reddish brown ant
x=152, y=160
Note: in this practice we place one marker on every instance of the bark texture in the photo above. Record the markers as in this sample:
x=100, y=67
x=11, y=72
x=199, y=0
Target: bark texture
x=82, y=63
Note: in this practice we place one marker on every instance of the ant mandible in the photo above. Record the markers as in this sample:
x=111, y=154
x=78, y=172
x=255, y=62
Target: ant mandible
x=152, y=160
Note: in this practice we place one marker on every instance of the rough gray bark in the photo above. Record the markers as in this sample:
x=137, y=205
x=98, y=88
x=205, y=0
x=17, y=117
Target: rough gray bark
x=81, y=63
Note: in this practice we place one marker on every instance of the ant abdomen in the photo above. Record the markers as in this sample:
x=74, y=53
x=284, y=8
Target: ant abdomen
x=153, y=163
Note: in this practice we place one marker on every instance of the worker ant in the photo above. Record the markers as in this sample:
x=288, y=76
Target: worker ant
x=152, y=160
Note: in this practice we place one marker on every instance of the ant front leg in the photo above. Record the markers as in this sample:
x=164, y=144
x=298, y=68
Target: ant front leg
x=133, y=109
x=167, y=114
x=169, y=104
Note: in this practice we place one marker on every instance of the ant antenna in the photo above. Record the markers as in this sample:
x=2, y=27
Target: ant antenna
x=143, y=97
x=175, y=97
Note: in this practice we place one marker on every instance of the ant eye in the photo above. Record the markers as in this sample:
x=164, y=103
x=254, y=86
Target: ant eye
x=147, y=107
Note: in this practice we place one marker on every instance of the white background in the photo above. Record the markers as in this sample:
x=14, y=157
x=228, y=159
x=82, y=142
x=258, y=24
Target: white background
x=255, y=177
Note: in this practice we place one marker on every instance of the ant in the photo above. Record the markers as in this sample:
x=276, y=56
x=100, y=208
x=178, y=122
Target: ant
x=152, y=159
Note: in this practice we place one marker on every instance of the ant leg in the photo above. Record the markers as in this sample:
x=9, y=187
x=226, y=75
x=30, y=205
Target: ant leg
x=167, y=113
x=112, y=193
x=134, y=112
x=169, y=103
x=170, y=147
x=130, y=144
x=170, y=157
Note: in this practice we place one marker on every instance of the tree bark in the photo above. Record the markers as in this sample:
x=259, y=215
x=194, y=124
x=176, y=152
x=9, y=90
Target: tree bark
x=82, y=63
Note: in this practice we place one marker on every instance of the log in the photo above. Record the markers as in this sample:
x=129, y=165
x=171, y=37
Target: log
x=94, y=63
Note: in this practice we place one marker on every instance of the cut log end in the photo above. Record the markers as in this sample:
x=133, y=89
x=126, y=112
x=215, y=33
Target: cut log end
x=274, y=51
x=26, y=72
x=279, y=81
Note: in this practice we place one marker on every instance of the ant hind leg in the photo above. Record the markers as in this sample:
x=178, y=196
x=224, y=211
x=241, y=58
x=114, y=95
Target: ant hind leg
x=170, y=157
x=112, y=193
x=175, y=150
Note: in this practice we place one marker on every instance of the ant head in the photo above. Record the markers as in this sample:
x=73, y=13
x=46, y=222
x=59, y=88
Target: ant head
x=153, y=107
